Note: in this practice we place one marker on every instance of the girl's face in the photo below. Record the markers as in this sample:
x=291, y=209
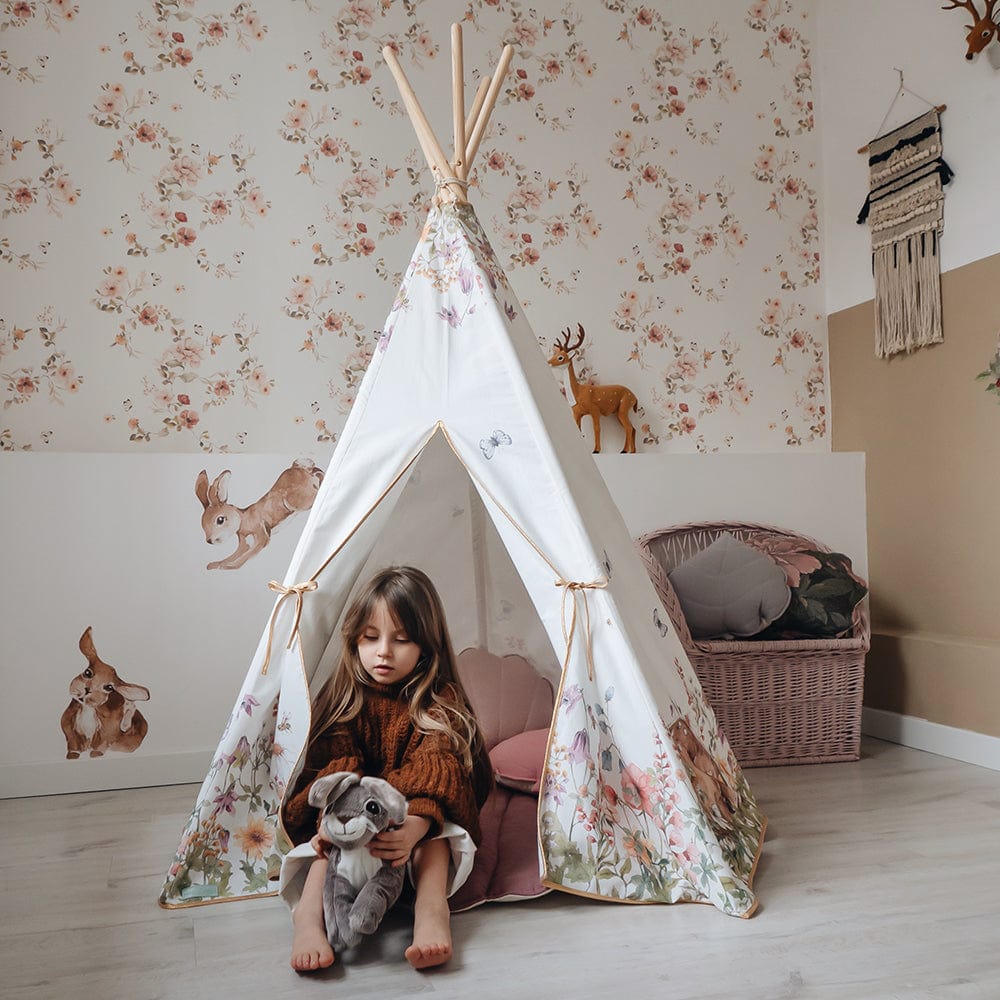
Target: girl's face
x=387, y=653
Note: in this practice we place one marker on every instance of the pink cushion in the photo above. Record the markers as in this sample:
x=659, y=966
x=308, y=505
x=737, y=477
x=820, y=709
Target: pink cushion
x=518, y=761
x=506, y=867
x=506, y=692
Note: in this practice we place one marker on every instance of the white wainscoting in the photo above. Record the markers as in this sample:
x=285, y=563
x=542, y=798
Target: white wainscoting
x=114, y=541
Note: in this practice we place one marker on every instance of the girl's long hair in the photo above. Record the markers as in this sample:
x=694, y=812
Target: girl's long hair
x=437, y=700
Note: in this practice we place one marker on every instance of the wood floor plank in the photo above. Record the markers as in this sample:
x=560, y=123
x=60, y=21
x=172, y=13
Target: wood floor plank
x=878, y=882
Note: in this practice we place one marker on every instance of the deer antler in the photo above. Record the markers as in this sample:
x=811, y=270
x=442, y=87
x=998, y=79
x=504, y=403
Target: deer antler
x=970, y=7
x=982, y=30
x=579, y=340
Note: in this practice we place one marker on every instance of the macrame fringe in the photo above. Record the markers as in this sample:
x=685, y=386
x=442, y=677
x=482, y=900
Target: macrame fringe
x=907, y=295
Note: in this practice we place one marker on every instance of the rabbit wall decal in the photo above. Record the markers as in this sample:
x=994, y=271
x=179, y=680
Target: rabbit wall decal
x=102, y=714
x=294, y=490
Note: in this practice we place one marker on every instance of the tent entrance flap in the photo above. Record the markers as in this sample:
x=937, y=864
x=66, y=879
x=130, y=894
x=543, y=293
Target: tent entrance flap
x=441, y=525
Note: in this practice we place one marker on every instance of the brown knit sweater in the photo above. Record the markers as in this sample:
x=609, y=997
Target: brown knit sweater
x=383, y=742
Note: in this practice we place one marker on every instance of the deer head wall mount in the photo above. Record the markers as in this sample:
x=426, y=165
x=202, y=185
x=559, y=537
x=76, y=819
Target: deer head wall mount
x=982, y=30
x=597, y=400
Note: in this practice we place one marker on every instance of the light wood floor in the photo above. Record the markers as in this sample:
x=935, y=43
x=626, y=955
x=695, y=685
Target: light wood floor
x=879, y=881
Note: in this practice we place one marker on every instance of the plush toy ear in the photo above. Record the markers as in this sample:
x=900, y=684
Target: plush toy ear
x=393, y=800
x=330, y=787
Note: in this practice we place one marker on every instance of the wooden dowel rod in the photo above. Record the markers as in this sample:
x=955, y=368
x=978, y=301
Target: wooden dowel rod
x=458, y=99
x=425, y=134
x=938, y=109
x=487, y=109
x=477, y=106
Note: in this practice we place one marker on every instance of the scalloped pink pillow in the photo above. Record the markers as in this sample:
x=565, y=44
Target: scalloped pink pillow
x=518, y=761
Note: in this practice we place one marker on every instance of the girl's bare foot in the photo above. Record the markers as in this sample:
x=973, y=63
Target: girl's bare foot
x=310, y=949
x=431, y=935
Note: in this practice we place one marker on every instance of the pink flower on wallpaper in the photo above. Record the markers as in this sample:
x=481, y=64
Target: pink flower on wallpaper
x=186, y=170
x=525, y=33
x=361, y=12
x=731, y=81
x=109, y=104
x=675, y=51
x=772, y=312
x=257, y=202
x=186, y=353
x=682, y=206
x=686, y=368
x=110, y=288
x=426, y=44
x=765, y=161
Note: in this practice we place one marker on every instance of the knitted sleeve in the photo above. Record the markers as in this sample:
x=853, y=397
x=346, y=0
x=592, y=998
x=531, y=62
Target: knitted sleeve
x=327, y=754
x=437, y=785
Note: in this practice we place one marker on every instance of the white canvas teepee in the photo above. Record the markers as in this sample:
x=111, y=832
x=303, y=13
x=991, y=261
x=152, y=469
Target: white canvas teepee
x=460, y=427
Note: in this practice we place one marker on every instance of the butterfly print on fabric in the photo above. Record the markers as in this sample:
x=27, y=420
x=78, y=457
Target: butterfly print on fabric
x=488, y=446
x=661, y=625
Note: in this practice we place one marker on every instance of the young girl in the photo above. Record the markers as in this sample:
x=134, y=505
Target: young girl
x=394, y=708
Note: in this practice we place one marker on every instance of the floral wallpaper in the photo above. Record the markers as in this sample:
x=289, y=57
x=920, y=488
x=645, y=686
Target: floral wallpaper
x=205, y=211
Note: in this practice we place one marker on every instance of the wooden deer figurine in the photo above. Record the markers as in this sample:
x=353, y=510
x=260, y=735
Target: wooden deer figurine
x=597, y=400
x=982, y=30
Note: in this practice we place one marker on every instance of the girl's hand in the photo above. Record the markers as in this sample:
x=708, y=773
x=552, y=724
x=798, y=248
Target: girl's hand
x=320, y=846
x=396, y=846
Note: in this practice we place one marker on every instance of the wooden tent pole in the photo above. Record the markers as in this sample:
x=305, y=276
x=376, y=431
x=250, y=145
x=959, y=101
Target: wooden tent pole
x=458, y=100
x=487, y=109
x=436, y=159
x=477, y=106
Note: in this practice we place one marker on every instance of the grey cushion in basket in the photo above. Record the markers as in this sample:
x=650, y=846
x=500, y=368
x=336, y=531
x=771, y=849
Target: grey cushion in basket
x=730, y=589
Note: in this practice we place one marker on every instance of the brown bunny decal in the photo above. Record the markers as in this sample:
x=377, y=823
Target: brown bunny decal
x=294, y=490
x=102, y=714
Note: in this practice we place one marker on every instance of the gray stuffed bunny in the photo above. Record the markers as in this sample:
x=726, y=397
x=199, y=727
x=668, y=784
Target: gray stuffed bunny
x=359, y=889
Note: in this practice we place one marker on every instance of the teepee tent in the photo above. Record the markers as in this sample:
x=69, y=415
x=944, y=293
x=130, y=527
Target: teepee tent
x=460, y=456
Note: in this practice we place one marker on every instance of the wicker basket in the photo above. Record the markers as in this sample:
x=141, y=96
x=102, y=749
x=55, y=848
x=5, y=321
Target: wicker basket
x=789, y=702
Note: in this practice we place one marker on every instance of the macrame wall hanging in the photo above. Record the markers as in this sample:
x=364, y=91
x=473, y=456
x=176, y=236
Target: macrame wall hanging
x=905, y=212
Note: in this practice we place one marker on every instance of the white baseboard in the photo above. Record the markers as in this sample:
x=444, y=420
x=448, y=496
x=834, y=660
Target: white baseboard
x=105, y=773
x=959, y=744
x=89, y=775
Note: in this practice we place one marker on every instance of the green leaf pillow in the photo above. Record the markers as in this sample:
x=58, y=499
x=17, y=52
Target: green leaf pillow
x=823, y=602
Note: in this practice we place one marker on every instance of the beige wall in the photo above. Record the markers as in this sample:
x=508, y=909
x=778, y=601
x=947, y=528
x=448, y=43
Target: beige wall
x=932, y=436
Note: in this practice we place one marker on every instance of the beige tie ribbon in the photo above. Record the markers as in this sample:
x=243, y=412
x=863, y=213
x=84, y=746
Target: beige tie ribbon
x=296, y=590
x=571, y=589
